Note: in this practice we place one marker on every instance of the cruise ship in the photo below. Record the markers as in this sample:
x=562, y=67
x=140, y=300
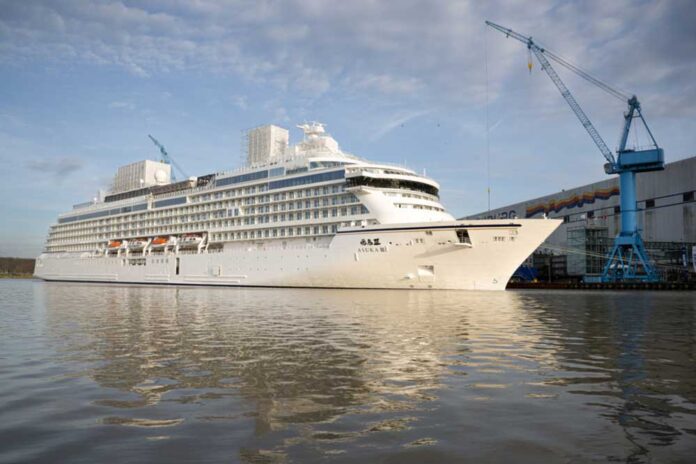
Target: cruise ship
x=303, y=215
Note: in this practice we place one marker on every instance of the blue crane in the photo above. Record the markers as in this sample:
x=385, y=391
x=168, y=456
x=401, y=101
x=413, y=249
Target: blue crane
x=628, y=260
x=166, y=158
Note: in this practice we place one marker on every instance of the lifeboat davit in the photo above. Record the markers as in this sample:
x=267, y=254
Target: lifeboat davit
x=190, y=240
x=137, y=244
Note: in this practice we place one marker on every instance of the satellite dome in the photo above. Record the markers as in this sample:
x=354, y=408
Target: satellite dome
x=161, y=176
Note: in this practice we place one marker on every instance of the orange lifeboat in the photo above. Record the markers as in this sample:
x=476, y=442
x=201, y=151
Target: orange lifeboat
x=161, y=242
x=113, y=244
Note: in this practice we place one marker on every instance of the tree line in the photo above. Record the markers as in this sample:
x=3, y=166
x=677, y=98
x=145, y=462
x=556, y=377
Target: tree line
x=16, y=266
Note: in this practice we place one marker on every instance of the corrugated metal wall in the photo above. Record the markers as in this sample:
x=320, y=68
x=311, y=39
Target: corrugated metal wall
x=665, y=198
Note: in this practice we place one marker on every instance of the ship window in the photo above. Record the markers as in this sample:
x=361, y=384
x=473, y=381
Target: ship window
x=324, y=164
x=275, y=172
x=392, y=184
x=463, y=236
x=323, y=177
x=241, y=178
x=650, y=203
x=296, y=170
x=688, y=196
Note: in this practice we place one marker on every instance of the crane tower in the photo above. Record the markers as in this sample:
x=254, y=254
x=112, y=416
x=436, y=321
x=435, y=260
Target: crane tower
x=628, y=259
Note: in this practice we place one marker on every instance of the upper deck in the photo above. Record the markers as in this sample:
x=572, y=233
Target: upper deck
x=241, y=203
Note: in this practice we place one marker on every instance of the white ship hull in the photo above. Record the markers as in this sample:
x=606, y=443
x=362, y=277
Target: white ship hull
x=395, y=256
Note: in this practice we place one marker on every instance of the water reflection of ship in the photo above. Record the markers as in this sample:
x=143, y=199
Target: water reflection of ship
x=299, y=363
x=314, y=359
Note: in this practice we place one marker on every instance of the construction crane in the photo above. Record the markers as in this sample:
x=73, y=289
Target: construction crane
x=628, y=260
x=167, y=159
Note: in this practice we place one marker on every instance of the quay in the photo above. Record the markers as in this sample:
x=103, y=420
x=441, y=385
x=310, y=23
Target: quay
x=601, y=286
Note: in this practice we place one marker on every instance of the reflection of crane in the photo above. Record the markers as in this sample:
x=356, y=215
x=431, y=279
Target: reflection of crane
x=628, y=259
x=167, y=159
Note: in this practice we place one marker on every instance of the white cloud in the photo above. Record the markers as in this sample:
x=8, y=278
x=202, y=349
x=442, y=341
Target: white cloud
x=434, y=49
x=240, y=101
x=385, y=83
x=126, y=105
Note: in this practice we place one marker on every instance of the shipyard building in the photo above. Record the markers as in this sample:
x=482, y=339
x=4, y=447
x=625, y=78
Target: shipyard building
x=591, y=219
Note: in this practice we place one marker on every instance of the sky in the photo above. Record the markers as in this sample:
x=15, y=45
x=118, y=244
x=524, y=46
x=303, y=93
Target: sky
x=420, y=83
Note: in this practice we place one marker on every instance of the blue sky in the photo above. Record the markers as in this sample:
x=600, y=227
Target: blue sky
x=83, y=82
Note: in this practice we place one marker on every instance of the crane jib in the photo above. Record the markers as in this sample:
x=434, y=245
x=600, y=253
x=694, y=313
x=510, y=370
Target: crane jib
x=628, y=259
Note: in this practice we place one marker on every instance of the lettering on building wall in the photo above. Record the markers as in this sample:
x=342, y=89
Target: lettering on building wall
x=512, y=214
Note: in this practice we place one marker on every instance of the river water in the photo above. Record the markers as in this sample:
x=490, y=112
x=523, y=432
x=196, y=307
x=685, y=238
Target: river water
x=108, y=373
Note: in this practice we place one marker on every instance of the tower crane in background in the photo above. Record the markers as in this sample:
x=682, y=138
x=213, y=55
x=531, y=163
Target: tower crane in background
x=628, y=259
x=167, y=159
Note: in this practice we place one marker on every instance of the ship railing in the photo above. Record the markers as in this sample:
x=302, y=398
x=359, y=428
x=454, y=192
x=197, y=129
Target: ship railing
x=184, y=192
x=83, y=205
x=391, y=165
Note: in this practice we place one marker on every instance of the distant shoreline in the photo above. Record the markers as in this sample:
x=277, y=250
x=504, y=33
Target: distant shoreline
x=16, y=268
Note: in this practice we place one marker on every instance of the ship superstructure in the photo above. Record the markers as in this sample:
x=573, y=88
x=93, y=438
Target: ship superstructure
x=291, y=214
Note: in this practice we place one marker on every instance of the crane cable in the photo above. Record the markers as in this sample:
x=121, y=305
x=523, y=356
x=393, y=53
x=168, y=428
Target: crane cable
x=617, y=93
x=488, y=135
x=620, y=94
